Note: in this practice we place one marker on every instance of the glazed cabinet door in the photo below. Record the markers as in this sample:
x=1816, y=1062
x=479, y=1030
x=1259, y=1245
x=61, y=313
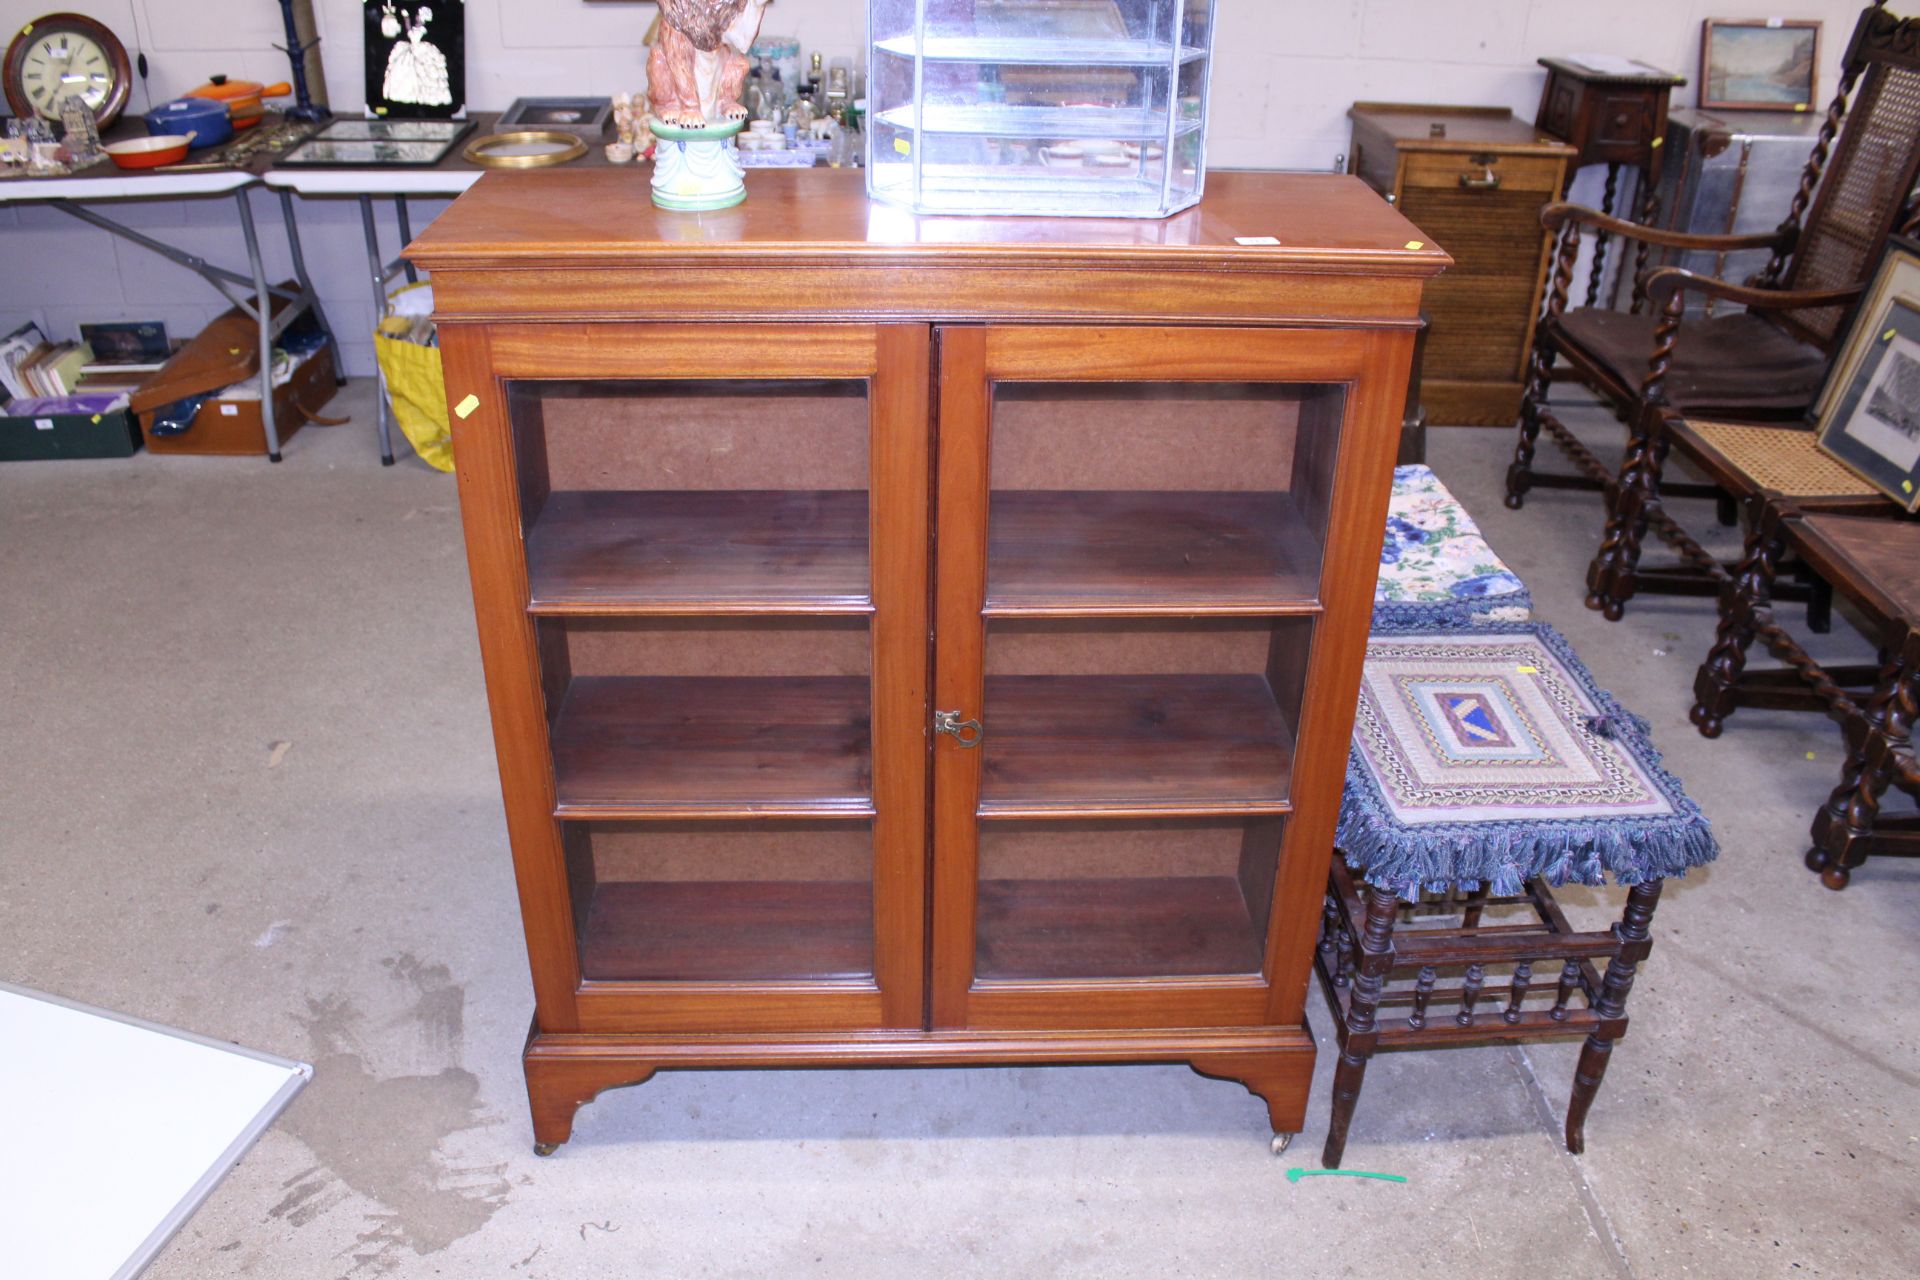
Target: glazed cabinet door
x=1134, y=771
x=702, y=597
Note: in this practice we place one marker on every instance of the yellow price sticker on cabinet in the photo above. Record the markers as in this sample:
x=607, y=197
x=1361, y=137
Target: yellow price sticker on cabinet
x=1528, y=671
x=1906, y=486
x=96, y=417
x=1799, y=106
x=1416, y=244
x=1657, y=142
x=1889, y=335
x=903, y=146
x=466, y=407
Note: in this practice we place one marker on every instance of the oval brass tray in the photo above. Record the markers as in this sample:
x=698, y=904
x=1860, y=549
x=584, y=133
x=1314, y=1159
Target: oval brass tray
x=480, y=150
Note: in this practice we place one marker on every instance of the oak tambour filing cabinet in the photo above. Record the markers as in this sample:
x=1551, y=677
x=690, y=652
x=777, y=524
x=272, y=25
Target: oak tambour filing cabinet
x=1477, y=178
x=916, y=640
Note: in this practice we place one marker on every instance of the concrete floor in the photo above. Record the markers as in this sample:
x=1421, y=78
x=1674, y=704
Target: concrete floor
x=250, y=791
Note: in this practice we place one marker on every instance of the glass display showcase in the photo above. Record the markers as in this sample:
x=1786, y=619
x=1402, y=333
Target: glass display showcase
x=1075, y=108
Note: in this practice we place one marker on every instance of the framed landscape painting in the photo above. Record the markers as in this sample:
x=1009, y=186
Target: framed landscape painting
x=1758, y=64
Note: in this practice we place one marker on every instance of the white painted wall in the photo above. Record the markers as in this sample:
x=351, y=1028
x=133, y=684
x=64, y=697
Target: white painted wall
x=1285, y=72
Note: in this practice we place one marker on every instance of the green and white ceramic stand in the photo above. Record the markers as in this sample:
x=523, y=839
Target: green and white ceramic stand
x=697, y=169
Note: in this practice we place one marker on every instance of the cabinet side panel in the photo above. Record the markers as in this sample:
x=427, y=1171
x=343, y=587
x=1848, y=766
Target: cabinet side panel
x=899, y=548
x=1363, y=478
x=490, y=505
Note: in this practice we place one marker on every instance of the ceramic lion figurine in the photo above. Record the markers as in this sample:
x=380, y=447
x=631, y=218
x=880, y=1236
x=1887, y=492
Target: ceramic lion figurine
x=698, y=67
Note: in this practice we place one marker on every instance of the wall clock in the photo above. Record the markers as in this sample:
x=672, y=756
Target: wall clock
x=65, y=53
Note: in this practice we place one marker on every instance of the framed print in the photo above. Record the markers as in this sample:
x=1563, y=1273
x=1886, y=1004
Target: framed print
x=1758, y=64
x=416, y=58
x=1869, y=413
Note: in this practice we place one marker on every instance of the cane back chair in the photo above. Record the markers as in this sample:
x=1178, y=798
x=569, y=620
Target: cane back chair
x=1763, y=363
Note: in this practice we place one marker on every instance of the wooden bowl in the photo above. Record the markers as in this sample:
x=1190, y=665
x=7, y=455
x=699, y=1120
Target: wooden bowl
x=150, y=152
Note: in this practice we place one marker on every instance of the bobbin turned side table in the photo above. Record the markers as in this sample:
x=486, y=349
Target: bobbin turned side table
x=827, y=739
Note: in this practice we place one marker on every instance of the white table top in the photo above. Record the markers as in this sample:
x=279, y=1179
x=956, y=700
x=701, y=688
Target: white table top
x=373, y=182
x=125, y=186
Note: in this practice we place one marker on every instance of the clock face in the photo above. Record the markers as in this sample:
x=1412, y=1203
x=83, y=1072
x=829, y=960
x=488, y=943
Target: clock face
x=67, y=55
x=62, y=62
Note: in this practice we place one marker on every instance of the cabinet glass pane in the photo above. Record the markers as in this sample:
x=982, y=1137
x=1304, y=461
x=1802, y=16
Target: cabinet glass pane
x=1124, y=900
x=699, y=576
x=694, y=496
x=1153, y=591
x=722, y=902
x=1163, y=498
x=709, y=717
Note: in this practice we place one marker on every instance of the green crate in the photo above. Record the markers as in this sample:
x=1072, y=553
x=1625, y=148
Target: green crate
x=69, y=435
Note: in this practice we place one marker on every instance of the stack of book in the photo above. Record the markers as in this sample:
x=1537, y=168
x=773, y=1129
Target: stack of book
x=124, y=354
x=93, y=375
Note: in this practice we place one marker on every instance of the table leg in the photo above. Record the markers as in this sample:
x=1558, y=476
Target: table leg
x=406, y=236
x=263, y=300
x=377, y=271
x=1601, y=238
x=306, y=287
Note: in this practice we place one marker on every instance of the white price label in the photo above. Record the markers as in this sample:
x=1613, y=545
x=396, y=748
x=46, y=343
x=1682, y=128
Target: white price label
x=229, y=410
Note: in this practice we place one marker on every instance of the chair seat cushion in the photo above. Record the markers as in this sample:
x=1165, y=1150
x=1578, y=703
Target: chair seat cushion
x=1435, y=568
x=1490, y=756
x=1730, y=363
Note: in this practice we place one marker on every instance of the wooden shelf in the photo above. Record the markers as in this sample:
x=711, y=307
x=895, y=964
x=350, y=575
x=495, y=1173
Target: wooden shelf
x=1120, y=746
x=1161, y=926
x=713, y=747
x=734, y=551
x=729, y=931
x=1073, y=553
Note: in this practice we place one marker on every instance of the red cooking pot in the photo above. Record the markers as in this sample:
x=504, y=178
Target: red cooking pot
x=242, y=97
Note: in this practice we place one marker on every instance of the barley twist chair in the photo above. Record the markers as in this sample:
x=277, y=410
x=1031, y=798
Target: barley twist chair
x=1763, y=363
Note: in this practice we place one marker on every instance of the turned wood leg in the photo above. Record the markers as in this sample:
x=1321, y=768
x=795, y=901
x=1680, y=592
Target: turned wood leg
x=1844, y=824
x=1540, y=371
x=1357, y=1045
x=1611, y=1007
x=559, y=1084
x=1649, y=216
x=1601, y=239
x=1742, y=600
x=1820, y=606
x=1611, y=576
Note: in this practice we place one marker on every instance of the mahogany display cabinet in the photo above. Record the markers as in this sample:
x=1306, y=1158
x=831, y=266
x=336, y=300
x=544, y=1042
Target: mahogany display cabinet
x=915, y=640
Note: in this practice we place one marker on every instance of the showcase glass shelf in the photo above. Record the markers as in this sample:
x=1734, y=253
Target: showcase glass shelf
x=1048, y=51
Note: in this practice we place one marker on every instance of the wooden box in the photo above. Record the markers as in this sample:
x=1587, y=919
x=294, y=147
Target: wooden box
x=1475, y=179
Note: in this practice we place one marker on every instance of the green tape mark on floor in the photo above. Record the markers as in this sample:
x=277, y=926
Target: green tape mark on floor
x=1294, y=1175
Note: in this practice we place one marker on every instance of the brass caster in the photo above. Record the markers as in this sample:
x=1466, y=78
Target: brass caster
x=545, y=1148
x=1281, y=1141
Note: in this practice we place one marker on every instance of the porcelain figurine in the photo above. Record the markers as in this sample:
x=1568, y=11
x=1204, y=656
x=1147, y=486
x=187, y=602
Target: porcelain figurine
x=698, y=67
x=695, y=77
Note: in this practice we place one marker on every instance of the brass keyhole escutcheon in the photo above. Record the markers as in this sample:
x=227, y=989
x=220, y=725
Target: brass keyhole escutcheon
x=965, y=732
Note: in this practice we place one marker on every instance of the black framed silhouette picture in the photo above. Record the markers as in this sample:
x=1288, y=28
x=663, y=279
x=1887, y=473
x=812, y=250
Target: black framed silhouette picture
x=416, y=58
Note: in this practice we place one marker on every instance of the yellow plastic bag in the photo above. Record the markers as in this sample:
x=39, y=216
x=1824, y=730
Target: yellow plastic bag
x=418, y=396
